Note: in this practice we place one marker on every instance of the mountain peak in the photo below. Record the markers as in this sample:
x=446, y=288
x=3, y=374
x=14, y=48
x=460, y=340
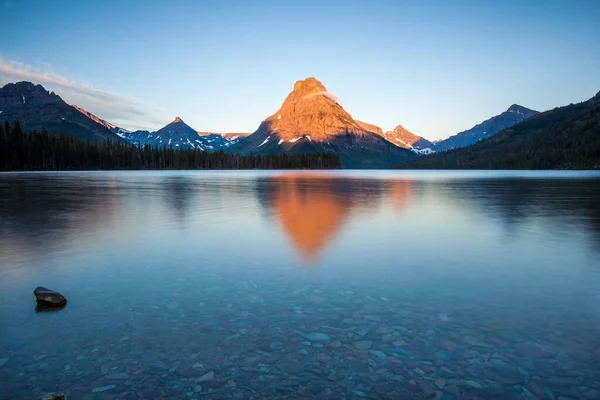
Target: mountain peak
x=524, y=111
x=309, y=85
x=405, y=139
x=37, y=108
x=517, y=108
x=22, y=94
x=177, y=120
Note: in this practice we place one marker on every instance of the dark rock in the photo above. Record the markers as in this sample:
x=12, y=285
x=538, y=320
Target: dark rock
x=49, y=298
x=59, y=396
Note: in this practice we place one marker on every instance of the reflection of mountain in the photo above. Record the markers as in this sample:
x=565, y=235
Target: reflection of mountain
x=312, y=208
x=400, y=194
x=310, y=219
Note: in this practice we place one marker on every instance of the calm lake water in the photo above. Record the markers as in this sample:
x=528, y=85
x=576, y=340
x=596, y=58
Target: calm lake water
x=250, y=285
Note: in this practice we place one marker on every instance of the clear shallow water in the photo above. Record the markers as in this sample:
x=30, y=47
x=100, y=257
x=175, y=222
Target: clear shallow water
x=381, y=285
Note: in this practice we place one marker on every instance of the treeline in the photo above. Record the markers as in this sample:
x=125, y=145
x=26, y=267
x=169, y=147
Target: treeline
x=564, y=138
x=41, y=151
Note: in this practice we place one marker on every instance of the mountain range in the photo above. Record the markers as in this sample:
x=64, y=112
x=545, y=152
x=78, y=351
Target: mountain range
x=175, y=134
x=178, y=134
x=311, y=120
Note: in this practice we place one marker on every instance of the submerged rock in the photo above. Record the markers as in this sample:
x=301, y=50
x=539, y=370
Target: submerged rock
x=533, y=350
x=505, y=375
x=363, y=345
x=379, y=354
x=209, y=376
x=318, y=337
x=49, y=298
x=103, y=388
x=59, y=396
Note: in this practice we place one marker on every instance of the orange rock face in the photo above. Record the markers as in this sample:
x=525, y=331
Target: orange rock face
x=311, y=110
x=311, y=120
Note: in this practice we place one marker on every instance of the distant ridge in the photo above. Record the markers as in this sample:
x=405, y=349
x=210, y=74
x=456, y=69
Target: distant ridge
x=563, y=138
x=178, y=134
x=513, y=115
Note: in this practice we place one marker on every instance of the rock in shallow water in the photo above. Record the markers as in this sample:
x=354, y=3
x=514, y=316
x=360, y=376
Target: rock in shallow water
x=103, y=388
x=363, y=345
x=379, y=354
x=209, y=376
x=318, y=337
x=49, y=298
x=59, y=396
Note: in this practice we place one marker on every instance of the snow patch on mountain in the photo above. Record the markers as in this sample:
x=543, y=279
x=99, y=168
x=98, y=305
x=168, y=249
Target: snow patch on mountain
x=265, y=141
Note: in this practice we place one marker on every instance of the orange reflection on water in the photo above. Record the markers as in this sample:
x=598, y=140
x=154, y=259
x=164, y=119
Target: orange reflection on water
x=310, y=213
x=400, y=193
x=313, y=208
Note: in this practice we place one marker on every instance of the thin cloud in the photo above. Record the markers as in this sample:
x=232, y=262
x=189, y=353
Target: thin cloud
x=325, y=93
x=125, y=111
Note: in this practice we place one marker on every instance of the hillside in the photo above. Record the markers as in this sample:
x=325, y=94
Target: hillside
x=36, y=108
x=512, y=116
x=564, y=138
x=110, y=126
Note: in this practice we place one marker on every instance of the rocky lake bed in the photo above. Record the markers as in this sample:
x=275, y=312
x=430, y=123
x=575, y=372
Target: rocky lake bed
x=314, y=343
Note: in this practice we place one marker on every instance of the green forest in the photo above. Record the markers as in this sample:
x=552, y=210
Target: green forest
x=41, y=151
x=563, y=138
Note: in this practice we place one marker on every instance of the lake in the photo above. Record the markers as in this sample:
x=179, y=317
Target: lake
x=346, y=284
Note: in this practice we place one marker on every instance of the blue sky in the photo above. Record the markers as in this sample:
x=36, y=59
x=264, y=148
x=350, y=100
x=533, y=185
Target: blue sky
x=436, y=67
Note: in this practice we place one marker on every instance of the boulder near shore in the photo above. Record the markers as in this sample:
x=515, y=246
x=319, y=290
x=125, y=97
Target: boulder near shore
x=49, y=298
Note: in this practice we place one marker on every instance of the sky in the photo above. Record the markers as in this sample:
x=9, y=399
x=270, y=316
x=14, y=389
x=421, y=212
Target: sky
x=435, y=67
